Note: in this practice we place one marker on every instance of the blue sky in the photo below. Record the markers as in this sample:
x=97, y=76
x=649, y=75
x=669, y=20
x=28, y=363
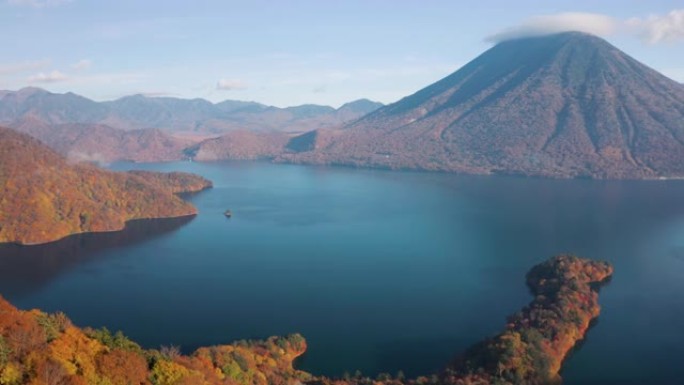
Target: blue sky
x=295, y=52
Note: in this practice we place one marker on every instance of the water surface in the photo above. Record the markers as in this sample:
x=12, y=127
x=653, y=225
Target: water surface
x=380, y=271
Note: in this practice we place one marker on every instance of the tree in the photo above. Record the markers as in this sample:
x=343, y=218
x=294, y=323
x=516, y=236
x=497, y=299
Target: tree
x=5, y=351
x=123, y=367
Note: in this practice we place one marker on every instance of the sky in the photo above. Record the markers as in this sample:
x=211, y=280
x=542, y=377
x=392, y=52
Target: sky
x=295, y=52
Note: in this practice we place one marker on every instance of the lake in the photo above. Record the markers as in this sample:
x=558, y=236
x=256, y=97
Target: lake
x=379, y=270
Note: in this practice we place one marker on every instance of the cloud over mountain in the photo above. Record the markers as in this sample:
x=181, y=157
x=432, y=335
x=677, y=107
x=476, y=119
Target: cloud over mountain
x=652, y=29
x=563, y=105
x=593, y=23
x=660, y=28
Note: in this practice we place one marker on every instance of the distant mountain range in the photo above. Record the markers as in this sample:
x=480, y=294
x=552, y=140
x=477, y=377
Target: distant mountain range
x=172, y=114
x=145, y=129
x=44, y=197
x=563, y=105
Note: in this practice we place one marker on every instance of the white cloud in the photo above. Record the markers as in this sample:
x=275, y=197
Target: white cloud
x=82, y=65
x=231, y=85
x=652, y=29
x=593, y=23
x=659, y=28
x=50, y=77
x=37, y=3
x=14, y=68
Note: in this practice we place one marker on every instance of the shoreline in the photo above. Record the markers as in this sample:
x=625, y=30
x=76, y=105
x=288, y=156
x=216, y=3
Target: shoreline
x=117, y=230
x=347, y=165
x=531, y=350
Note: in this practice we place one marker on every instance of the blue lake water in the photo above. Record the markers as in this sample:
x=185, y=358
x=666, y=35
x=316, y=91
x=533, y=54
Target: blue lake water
x=379, y=270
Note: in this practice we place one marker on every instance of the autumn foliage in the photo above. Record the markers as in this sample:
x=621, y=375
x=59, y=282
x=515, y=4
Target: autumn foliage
x=46, y=349
x=539, y=337
x=176, y=182
x=536, y=340
x=43, y=349
x=43, y=197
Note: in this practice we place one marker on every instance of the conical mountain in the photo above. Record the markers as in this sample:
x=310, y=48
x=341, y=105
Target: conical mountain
x=563, y=105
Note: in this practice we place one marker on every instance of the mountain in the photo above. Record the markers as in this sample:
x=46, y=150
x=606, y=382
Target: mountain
x=348, y=112
x=240, y=144
x=48, y=107
x=562, y=105
x=45, y=197
x=146, y=129
x=229, y=106
x=360, y=107
x=243, y=144
x=172, y=114
x=103, y=144
x=258, y=117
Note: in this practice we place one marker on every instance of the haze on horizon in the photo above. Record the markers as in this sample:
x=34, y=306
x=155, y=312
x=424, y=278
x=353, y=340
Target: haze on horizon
x=300, y=52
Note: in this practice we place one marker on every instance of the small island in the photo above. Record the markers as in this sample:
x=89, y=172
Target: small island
x=40, y=348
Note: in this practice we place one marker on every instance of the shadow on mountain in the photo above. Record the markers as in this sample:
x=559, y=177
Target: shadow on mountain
x=23, y=268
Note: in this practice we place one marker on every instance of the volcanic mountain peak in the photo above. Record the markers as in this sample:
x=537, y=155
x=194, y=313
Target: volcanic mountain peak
x=571, y=57
x=568, y=104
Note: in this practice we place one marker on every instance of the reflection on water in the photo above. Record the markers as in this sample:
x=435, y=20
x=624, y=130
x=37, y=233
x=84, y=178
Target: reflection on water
x=27, y=268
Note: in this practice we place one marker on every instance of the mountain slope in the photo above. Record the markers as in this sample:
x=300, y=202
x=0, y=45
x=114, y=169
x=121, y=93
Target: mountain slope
x=240, y=144
x=138, y=111
x=43, y=197
x=102, y=143
x=563, y=105
x=48, y=107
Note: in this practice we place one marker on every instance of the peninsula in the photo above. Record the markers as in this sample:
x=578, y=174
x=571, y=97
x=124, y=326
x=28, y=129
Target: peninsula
x=45, y=197
x=39, y=348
